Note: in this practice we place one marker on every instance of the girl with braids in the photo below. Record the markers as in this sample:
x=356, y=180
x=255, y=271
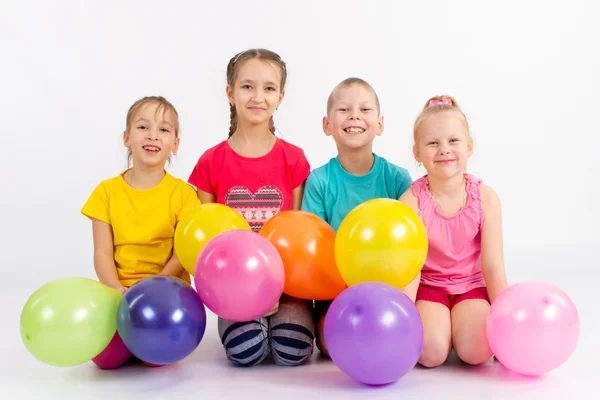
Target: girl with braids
x=259, y=175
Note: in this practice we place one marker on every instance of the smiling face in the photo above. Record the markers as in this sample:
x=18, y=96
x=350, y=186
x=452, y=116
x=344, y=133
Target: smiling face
x=256, y=91
x=152, y=135
x=443, y=144
x=353, y=118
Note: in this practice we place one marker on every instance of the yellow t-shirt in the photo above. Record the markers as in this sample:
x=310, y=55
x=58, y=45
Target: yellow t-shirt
x=143, y=223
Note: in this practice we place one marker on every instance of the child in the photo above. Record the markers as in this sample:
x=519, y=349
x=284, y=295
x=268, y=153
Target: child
x=356, y=174
x=464, y=269
x=258, y=175
x=134, y=214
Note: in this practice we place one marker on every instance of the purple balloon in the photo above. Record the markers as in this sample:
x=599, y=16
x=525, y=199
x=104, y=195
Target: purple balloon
x=374, y=333
x=161, y=319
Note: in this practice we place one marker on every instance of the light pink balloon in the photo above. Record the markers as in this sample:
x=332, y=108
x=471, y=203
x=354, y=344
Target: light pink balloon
x=239, y=275
x=533, y=327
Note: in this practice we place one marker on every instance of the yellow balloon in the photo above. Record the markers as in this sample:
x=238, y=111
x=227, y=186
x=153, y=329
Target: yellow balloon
x=381, y=240
x=200, y=225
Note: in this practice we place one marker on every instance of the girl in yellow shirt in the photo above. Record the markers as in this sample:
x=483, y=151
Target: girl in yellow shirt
x=134, y=214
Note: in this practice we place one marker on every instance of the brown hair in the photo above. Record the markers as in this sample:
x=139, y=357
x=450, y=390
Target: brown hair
x=347, y=83
x=163, y=106
x=232, y=71
x=432, y=107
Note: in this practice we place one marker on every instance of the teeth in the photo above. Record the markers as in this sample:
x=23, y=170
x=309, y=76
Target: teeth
x=151, y=148
x=354, y=130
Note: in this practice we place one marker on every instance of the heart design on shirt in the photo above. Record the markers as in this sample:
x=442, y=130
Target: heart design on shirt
x=257, y=208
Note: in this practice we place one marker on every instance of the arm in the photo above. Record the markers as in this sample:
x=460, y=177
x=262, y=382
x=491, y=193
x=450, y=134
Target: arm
x=206, y=197
x=298, y=193
x=300, y=173
x=104, y=261
x=492, y=258
x=412, y=201
x=173, y=267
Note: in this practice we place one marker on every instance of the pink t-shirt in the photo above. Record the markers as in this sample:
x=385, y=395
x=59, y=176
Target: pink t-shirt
x=453, y=261
x=258, y=188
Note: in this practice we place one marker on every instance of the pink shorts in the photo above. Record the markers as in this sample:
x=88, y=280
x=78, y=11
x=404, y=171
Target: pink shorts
x=436, y=295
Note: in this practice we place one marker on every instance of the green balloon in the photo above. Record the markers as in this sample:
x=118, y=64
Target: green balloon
x=69, y=321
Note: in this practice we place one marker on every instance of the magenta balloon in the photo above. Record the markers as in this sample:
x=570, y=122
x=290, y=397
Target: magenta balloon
x=533, y=327
x=239, y=275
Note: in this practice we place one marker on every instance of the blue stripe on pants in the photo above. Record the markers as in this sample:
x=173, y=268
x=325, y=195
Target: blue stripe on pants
x=246, y=343
x=288, y=336
x=292, y=344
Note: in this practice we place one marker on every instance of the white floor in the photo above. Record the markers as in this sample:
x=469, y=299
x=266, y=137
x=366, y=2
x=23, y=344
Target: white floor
x=206, y=374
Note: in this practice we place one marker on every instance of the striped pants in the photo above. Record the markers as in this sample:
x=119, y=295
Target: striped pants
x=287, y=336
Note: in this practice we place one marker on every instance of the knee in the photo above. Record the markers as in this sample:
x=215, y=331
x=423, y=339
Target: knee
x=473, y=351
x=291, y=344
x=435, y=352
x=246, y=343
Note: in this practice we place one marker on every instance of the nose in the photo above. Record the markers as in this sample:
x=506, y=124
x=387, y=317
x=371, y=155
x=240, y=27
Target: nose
x=152, y=134
x=258, y=96
x=354, y=115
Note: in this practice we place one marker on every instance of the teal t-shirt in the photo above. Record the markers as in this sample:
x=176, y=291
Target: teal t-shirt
x=331, y=192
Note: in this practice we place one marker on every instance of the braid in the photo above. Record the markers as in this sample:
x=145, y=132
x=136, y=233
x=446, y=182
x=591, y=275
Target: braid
x=271, y=125
x=232, y=120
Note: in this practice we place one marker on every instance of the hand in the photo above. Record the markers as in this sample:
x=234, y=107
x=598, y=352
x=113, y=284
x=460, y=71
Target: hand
x=273, y=310
x=122, y=289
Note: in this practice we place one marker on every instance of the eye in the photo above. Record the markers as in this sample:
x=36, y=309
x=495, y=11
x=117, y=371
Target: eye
x=431, y=143
x=246, y=87
x=454, y=140
x=366, y=109
x=165, y=130
x=271, y=88
x=342, y=109
x=141, y=127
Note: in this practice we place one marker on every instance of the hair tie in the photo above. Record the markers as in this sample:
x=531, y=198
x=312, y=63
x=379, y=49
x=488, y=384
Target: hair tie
x=441, y=101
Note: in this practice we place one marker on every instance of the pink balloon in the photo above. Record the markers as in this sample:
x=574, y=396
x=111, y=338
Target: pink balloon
x=239, y=275
x=533, y=327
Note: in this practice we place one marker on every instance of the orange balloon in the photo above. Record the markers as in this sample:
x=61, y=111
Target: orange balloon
x=306, y=245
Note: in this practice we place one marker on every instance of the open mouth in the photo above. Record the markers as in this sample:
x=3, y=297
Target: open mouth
x=354, y=130
x=151, y=149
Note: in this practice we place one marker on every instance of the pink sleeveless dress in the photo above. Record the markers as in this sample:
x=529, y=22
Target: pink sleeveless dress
x=453, y=264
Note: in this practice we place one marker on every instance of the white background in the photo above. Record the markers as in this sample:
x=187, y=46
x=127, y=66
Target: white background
x=524, y=72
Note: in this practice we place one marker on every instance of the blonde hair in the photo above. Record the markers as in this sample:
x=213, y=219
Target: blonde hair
x=436, y=105
x=346, y=83
x=163, y=106
x=233, y=68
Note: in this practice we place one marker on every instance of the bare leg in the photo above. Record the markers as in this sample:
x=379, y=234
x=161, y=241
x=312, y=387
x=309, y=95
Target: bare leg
x=437, y=329
x=468, y=331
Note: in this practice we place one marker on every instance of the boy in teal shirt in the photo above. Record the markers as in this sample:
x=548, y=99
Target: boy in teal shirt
x=356, y=174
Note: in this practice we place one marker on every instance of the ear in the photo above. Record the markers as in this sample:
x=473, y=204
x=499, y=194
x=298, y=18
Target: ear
x=126, y=139
x=175, y=146
x=326, y=126
x=416, y=153
x=281, y=96
x=380, y=126
x=229, y=93
x=470, y=146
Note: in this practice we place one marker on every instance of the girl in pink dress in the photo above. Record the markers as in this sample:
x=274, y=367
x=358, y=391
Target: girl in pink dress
x=464, y=270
